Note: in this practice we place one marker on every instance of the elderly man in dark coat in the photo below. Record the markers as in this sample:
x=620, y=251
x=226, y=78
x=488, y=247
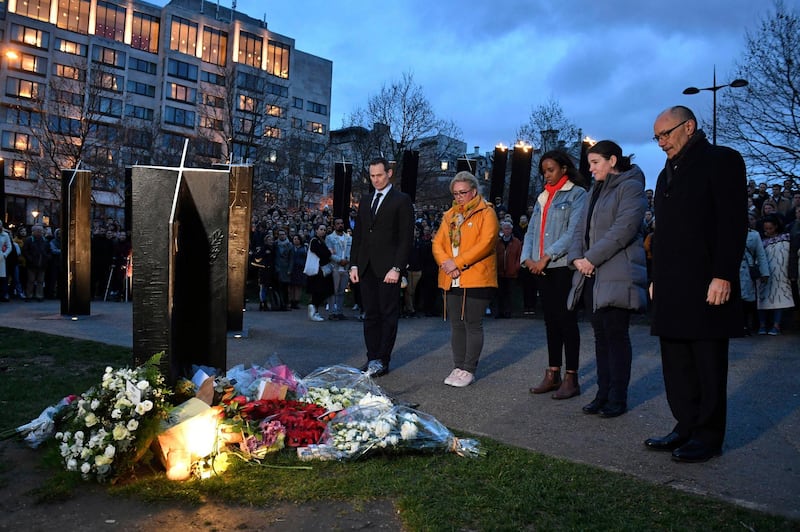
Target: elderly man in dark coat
x=701, y=201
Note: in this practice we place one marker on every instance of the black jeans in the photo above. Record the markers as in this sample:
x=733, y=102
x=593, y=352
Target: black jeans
x=560, y=323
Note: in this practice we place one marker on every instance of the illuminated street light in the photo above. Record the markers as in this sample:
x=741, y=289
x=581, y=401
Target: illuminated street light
x=714, y=88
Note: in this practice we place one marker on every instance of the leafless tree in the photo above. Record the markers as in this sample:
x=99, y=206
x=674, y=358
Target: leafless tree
x=547, y=128
x=402, y=107
x=762, y=120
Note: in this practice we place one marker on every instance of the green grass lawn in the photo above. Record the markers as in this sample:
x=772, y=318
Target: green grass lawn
x=508, y=489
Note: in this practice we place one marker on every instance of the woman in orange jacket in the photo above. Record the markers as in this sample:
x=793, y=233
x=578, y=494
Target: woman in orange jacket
x=464, y=249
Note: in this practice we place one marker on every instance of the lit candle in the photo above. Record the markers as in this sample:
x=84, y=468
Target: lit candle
x=179, y=464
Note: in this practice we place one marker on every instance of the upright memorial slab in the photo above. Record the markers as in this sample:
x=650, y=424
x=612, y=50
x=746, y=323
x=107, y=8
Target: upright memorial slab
x=76, y=253
x=180, y=238
x=239, y=205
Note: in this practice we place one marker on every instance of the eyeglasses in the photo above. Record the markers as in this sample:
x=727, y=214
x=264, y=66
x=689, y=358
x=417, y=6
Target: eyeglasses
x=664, y=135
x=459, y=193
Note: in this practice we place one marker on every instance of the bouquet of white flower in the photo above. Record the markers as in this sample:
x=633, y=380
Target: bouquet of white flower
x=375, y=423
x=109, y=427
x=336, y=387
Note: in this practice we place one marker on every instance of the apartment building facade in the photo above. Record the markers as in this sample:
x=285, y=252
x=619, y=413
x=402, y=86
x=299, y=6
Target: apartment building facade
x=105, y=84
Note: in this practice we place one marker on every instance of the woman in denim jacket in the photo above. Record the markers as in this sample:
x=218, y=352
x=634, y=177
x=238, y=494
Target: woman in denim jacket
x=555, y=216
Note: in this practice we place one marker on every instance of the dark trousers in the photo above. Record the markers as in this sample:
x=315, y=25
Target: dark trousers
x=504, y=296
x=612, y=348
x=466, y=327
x=560, y=323
x=528, y=283
x=381, y=303
x=696, y=381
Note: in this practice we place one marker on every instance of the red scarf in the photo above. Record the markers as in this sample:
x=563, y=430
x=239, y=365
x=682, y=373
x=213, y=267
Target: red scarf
x=551, y=192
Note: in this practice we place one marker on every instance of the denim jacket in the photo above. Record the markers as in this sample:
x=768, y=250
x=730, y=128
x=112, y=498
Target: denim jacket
x=562, y=217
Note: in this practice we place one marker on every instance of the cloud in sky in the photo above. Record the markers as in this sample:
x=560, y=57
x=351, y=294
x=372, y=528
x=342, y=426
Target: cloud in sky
x=613, y=65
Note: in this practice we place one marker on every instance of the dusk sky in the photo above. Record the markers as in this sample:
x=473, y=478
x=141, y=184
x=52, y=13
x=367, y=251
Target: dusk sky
x=613, y=65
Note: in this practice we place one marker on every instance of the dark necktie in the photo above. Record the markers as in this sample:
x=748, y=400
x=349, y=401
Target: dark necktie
x=375, y=202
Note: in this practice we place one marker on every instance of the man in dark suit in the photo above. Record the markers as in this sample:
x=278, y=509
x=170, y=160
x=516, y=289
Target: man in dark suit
x=701, y=201
x=382, y=241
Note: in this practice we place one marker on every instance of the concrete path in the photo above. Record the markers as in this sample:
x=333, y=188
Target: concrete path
x=760, y=467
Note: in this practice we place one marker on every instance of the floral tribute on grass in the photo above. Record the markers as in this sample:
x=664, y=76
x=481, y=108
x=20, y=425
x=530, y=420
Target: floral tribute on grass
x=108, y=429
x=334, y=413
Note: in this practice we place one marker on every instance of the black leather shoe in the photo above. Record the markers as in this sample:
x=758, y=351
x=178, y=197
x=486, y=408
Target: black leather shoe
x=670, y=442
x=613, y=409
x=375, y=368
x=694, y=451
x=594, y=407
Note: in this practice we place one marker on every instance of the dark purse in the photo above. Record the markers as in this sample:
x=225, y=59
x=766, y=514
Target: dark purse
x=755, y=273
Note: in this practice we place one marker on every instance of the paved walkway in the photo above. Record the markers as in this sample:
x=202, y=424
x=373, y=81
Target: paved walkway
x=760, y=467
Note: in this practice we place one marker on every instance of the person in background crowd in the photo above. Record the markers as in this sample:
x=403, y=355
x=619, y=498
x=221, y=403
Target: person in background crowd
x=382, y=241
x=320, y=286
x=53, y=274
x=544, y=253
x=20, y=280
x=283, y=260
x=263, y=262
x=775, y=293
x=794, y=253
x=782, y=203
x=339, y=243
x=701, y=208
x=509, y=250
x=608, y=254
x=466, y=250
x=413, y=275
x=6, y=249
x=297, y=279
x=37, y=255
x=428, y=287
x=754, y=268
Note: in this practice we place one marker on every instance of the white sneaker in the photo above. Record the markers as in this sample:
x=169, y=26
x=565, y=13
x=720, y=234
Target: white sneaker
x=451, y=378
x=463, y=379
x=317, y=317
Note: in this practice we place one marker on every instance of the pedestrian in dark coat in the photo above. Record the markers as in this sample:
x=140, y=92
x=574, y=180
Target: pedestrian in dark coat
x=701, y=206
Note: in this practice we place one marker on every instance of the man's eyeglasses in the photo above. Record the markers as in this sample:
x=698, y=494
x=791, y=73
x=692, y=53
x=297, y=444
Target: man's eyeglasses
x=664, y=135
x=459, y=193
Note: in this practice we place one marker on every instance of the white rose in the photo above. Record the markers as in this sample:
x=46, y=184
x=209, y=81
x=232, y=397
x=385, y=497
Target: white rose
x=133, y=425
x=79, y=435
x=120, y=432
x=72, y=465
x=408, y=430
x=143, y=385
x=86, y=467
x=95, y=404
x=90, y=420
x=110, y=451
x=116, y=413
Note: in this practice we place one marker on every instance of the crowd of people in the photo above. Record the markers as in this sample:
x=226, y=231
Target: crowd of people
x=31, y=264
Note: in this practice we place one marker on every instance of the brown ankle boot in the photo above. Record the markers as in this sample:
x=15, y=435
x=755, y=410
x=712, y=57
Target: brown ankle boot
x=550, y=382
x=569, y=386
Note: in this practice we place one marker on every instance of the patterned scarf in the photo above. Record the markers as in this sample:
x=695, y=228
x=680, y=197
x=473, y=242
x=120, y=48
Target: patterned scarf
x=461, y=213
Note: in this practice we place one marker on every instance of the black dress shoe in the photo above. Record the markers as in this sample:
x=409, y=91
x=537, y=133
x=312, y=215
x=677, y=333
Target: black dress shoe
x=375, y=368
x=613, y=409
x=694, y=451
x=670, y=442
x=594, y=407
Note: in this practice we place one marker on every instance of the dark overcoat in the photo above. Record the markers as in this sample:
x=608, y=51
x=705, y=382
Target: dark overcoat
x=701, y=220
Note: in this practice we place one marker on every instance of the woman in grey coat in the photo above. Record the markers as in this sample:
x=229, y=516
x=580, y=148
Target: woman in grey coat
x=611, y=278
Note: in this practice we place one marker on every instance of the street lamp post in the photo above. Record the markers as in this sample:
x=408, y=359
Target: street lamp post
x=714, y=88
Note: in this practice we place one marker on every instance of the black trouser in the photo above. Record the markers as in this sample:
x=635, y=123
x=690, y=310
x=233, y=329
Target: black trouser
x=696, y=382
x=560, y=323
x=381, y=302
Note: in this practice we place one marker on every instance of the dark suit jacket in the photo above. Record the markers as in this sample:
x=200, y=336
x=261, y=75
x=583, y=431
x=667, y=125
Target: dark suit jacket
x=385, y=241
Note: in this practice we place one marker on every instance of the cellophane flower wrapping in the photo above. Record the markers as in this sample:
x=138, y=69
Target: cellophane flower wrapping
x=376, y=424
x=250, y=381
x=41, y=429
x=336, y=387
x=108, y=429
